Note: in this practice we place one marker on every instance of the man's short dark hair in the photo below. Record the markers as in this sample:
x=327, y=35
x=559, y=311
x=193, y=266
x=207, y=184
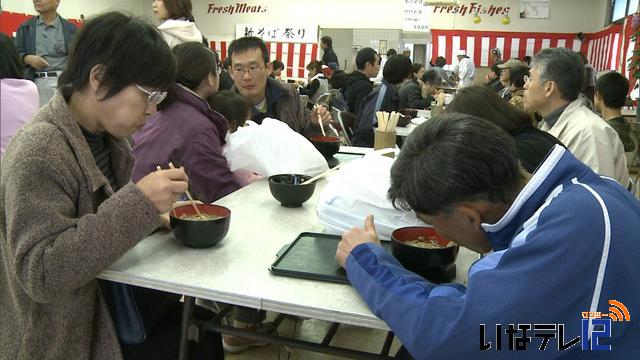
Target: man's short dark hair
x=396, y=69
x=131, y=50
x=364, y=56
x=451, y=159
x=338, y=79
x=277, y=64
x=562, y=66
x=440, y=61
x=246, y=43
x=612, y=87
x=516, y=76
x=430, y=76
x=391, y=52
x=11, y=65
x=327, y=41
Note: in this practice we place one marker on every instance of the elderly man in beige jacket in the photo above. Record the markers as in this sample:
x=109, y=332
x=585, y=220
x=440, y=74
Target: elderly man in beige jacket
x=552, y=90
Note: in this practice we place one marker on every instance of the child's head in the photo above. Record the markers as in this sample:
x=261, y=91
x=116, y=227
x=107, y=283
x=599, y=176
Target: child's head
x=611, y=91
x=233, y=106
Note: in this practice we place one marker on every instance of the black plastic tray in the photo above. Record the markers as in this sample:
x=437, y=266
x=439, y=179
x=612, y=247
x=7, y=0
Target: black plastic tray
x=312, y=256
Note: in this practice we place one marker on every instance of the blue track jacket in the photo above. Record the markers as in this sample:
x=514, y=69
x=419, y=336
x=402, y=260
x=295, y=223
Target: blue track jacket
x=569, y=243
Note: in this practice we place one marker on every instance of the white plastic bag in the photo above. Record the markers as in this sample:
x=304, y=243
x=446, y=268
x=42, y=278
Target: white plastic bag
x=272, y=148
x=357, y=190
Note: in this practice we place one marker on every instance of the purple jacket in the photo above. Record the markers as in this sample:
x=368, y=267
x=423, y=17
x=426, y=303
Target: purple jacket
x=190, y=134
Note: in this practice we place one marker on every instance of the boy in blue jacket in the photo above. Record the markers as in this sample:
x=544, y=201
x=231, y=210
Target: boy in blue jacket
x=563, y=280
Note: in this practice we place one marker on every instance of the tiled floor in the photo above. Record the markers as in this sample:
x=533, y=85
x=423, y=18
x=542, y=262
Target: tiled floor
x=352, y=337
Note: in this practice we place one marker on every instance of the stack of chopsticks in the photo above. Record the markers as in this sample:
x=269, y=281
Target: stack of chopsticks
x=387, y=122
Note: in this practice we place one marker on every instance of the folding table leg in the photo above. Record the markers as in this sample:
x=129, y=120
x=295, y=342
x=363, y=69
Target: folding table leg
x=187, y=313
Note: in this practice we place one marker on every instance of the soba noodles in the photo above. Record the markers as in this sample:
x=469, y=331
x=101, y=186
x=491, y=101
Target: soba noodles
x=430, y=242
x=196, y=217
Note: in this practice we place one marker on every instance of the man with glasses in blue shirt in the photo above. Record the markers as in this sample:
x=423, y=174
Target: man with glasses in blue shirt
x=250, y=69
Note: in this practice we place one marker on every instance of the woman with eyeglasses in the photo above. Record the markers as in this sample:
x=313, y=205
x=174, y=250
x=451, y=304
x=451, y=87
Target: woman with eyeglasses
x=177, y=24
x=68, y=208
x=186, y=131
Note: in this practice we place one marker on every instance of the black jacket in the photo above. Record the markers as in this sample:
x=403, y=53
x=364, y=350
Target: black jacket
x=356, y=87
x=329, y=57
x=494, y=84
x=366, y=119
x=411, y=96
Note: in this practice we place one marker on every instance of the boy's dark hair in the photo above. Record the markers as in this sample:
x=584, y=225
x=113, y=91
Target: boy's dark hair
x=131, y=50
x=516, y=76
x=179, y=9
x=364, y=56
x=327, y=41
x=277, y=64
x=451, y=159
x=233, y=106
x=483, y=102
x=430, y=76
x=338, y=79
x=396, y=69
x=11, y=66
x=612, y=87
x=441, y=61
x=195, y=62
x=391, y=52
x=246, y=43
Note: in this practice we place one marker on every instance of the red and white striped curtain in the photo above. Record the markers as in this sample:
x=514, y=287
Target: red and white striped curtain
x=294, y=56
x=601, y=48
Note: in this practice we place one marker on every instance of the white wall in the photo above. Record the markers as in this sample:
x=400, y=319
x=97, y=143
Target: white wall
x=566, y=15
x=73, y=8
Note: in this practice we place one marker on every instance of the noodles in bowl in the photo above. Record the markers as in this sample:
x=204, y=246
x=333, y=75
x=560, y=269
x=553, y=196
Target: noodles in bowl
x=422, y=250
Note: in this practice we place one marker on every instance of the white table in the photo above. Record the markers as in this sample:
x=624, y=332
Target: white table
x=236, y=270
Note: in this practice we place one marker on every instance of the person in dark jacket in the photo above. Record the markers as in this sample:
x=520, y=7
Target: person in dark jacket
x=532, y=144
x=358, y=85
x=610, y=95
x=329, y=57
x=226, y=82
x=493, y=78
x=410, y=93
x=383, y=98
x=186, y=131
x=277, y=67
x=43, y=43
x=250, y=68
